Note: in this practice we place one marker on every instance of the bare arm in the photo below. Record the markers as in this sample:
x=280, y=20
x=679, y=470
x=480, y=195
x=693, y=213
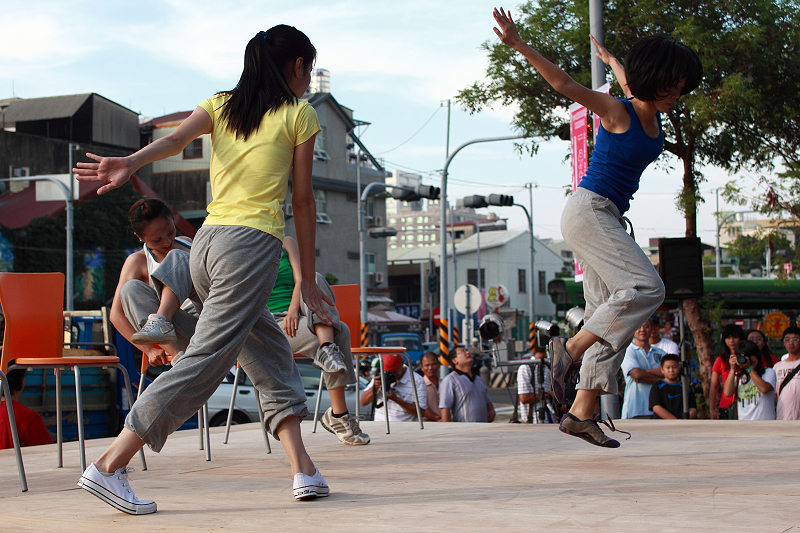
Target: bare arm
x=612, y=111
x=368, y=394
x=663, y=413
x=729, y=387
x=293, y=314
x=530, y=397
x=616, y=66
x=713, y=400
x=305, y=222
x=759, y=382
x=118, y=170
x=649, y=375
x=491, y=412
x=445, y=414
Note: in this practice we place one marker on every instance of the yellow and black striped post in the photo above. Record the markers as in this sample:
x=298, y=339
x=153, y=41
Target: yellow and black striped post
x=456, y=338
x=532, y=335
x=364, y=335
x=444, y=345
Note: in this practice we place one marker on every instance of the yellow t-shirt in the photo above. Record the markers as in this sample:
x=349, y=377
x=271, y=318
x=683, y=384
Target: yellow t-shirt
x=249, y=178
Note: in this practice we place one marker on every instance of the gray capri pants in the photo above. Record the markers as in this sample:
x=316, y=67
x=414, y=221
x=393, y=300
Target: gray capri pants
x=233, y=270
x=621, y=287
x=305, y=340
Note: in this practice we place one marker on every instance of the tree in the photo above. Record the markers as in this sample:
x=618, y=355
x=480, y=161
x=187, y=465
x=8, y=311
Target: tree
x=742, y=116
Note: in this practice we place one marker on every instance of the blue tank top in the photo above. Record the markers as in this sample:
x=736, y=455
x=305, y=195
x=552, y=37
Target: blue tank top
x=619, y=159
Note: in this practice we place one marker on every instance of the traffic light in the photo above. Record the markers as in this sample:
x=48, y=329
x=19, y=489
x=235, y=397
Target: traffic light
x=475, y=201
x=500, y=199
x=420, y=191
x=433, y=283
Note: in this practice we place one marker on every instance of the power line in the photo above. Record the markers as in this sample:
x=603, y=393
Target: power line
x=415, y=134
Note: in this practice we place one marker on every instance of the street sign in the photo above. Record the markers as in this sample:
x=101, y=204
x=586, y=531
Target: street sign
x=436, y=317
x=496, y=296
x=467, y=296
x=774, y=324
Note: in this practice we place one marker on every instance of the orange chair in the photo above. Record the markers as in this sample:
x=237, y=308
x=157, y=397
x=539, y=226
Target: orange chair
x=202, y=414
x=12, y=424
x=34, y=338
x=348, y=303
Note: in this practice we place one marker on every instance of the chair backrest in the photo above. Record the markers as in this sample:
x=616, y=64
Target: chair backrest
x=33, y=310
x=348, y=303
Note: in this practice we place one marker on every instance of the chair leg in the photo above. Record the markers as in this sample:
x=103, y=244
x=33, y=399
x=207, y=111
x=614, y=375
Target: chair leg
x=261, y=418
x=207, y=431
x=14, y=435
x=200, y=427
x=233, y=402
x=79, y=404
x=357, y=367
x=319, y=400
x=383, y=393
x=416, y=396
x=59, y=421
x=129, y=391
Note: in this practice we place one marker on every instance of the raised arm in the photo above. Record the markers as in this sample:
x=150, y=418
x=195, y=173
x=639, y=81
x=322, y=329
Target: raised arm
x=616, y=66
x=115, y=171
x=611, y=110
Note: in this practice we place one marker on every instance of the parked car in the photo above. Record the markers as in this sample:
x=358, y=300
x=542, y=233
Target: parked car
x=245, y=409
x=410, y=341
x=431, y=347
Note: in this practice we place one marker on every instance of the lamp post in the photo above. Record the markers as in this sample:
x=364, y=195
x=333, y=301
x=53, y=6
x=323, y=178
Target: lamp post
x=443, y=223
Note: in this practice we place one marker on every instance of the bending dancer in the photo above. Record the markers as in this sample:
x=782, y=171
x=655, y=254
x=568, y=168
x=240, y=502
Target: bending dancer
x=261, y=131
x=621, y=287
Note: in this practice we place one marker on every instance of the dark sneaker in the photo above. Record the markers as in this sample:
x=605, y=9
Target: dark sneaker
x=589, y=430
x=345, y=428
x=155, y=331
x=309, y=487
x=561, y=362
x=329, y=359
x=115, y=490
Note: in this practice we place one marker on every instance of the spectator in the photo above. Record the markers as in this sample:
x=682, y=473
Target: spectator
x=400, y=394
x=788, y=385
x=718, y=405
x=760, y=338
x=641, y=368
x=751, y=384
x=666, y=397
x=462, y=395
x=429, y=364
x=528, y=389
x=30, y=427
x=664, y=344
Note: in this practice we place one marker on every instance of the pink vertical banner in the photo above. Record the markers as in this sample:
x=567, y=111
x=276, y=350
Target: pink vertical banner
x=580, y=157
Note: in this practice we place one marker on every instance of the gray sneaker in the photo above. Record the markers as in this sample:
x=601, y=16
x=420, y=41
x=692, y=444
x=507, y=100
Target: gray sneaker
x=115, y=490
x=330, y=360
x=589, y=430
x=561, y=362
x=155, y=331
x=346, y=428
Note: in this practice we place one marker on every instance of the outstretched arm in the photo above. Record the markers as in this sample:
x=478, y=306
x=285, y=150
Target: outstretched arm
x=611, y=110
x=616, y=66
x=118, y=170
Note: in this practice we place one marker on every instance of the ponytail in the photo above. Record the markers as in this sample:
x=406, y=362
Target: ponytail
x=263, y=87
x=144, y=211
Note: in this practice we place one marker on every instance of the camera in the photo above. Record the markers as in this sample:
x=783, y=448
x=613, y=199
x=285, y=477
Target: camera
x=388, y=380
x=742, y=360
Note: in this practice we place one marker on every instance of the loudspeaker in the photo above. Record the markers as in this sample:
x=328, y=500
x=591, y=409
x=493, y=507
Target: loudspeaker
x=680, y=266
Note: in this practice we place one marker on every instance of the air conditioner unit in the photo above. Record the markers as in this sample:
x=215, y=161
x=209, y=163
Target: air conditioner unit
x=321, y=155
x=323, y=218
x=379, y=277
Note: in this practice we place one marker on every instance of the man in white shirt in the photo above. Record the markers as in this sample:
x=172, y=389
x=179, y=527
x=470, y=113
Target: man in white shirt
x=529, y=390
x=641, y=367
x=400, y=393
x=788, y=407
x=664, y=344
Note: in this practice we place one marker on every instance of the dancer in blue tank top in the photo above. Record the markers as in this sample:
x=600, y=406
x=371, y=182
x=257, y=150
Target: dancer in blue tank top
x=620, y=285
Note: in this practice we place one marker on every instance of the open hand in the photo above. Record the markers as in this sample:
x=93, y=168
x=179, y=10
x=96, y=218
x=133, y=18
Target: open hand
x=315, y=300
x=290, y=322
x=507, y=33
x=113, y=170
x=602, y=53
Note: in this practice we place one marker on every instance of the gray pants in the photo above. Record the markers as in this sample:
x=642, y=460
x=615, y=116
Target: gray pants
x=621, y=287
x=305, y=340
x=233, y=269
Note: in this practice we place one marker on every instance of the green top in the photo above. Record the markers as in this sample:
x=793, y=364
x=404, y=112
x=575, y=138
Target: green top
x=281, y=295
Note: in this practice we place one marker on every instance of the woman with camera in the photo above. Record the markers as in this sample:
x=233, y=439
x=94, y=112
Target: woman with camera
x=752, y=385
x=718, y=405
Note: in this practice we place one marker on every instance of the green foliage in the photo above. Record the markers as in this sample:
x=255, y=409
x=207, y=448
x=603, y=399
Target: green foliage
x=331, y=279
x=750, y=251
x=743, y=116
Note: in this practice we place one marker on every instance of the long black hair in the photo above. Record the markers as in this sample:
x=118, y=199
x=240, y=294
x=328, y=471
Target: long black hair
x=263, y=87
x=655, y=64
x=730, y=330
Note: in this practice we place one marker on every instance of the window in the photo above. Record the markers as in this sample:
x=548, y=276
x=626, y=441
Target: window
x=322, y=201
x=419, y=238
x=522, y=285
x=352, y=255
x=370, y=260
x=542, y=282
x=194, y=150
x=392, y=221
x=472, y=277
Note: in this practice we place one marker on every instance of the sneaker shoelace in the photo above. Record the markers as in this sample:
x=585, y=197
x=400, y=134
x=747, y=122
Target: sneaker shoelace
x=152, y=323
x=353, y=423
x=123, y=476
x=596, y=419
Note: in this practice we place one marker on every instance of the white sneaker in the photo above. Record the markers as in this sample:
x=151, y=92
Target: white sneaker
x=309, y=487
x=155, y=331
x=330, y=359
x=346, y=428
x=115, y=490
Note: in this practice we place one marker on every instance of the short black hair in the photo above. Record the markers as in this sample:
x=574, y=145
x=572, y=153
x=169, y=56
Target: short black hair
x=657, y=63
x=791, y=329
x=670, y=357
x=16, y=379
x=426, y=354
x=750, y=349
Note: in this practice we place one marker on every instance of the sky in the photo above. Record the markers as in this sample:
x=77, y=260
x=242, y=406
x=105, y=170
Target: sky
x=393, y=63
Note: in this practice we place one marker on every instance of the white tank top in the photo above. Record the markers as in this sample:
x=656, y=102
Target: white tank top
x=153, y=263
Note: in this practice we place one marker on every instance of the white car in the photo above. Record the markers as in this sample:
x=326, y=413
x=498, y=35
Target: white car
x=246, y=411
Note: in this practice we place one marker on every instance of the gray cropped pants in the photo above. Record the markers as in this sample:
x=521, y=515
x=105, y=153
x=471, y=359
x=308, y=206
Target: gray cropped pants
x=621, y=287
x=233, y=270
